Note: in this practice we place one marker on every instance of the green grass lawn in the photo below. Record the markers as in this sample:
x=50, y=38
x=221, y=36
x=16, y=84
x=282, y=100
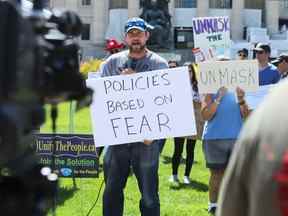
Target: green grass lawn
x=175, y=201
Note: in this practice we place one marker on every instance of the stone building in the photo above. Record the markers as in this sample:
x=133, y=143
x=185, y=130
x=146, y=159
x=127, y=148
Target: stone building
x=105, y=18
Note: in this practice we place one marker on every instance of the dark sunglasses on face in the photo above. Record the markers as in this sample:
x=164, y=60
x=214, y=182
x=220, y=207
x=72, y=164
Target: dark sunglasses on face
x=282, y=61
x=259, y=52
x=241, y=55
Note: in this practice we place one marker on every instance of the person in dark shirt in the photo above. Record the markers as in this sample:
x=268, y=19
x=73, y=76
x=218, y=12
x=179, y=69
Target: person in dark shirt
x=189, y=140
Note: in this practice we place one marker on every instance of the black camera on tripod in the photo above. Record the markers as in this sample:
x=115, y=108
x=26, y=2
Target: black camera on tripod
x=39, y=64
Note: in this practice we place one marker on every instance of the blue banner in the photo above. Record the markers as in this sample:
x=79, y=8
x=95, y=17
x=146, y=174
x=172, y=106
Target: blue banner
x=74, y=154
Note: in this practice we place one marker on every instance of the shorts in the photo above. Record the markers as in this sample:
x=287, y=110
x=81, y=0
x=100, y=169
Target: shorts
x=217, y=152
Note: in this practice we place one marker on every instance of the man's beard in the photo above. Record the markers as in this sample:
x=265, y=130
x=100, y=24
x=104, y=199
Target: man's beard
x=137, y=48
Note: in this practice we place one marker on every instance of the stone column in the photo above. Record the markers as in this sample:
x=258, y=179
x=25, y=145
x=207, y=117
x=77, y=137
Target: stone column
x=58, y=4
x=237, y=19
x=71, y=5
x=99, y=21
x=272, y=9
x=51, y=3
x=171, y=8
x=202, y=8
x=133, y=8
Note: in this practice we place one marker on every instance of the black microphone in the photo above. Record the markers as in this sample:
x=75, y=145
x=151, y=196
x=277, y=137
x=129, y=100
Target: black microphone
x=38, y=5
x=131, y=63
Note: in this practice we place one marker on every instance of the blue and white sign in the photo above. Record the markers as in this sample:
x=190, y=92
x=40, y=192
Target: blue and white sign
x=254, y=99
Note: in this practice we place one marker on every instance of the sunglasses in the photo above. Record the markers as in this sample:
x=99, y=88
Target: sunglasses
x=139, y=23
x=242, y=55
x=259, y=52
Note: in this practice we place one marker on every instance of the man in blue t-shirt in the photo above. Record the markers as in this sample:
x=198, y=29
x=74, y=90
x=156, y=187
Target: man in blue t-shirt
x=268, y=73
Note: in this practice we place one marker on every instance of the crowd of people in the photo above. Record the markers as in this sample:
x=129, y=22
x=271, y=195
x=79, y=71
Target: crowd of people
x=219, y=119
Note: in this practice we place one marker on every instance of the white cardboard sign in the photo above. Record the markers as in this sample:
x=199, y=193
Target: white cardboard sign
x=212, y=33
x=242, y=73
x=151, y=105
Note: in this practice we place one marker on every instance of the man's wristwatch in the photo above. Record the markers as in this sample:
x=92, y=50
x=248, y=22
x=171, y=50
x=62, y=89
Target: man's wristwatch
x=242, y=102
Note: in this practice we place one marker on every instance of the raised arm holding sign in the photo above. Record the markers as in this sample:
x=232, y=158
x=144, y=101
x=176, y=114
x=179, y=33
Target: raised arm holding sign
x=224, y=117
x=211, y=37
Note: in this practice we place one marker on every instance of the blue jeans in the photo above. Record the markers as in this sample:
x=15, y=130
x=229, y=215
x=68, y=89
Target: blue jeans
x=161, y=144
x=144, y=160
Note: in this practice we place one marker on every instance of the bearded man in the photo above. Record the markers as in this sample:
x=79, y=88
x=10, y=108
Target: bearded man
x=143, y=157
